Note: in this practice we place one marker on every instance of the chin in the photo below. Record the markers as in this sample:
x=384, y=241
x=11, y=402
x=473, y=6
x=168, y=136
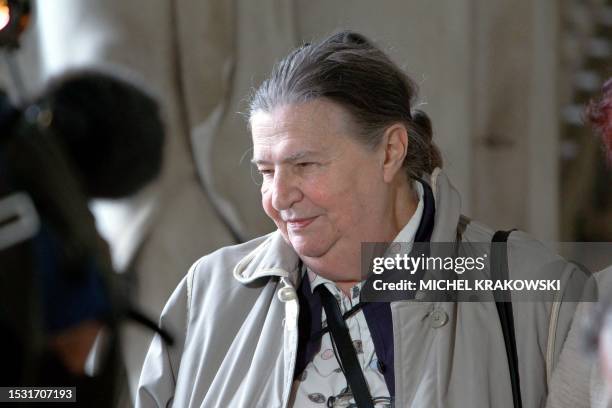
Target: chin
x=308, y=249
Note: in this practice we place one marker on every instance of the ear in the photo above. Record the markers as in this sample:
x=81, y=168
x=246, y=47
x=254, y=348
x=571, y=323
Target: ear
x=395, y=146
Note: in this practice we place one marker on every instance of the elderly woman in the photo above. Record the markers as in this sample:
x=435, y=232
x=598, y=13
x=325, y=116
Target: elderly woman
x=344, y=159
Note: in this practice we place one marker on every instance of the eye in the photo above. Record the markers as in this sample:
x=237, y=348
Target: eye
x=266, y=172
x=305, y=164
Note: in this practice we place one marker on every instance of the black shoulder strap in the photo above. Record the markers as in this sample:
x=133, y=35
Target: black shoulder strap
x=499, y=271
x=348, y=357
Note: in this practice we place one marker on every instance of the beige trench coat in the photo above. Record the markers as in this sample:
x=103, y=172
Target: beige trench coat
x=235, y=319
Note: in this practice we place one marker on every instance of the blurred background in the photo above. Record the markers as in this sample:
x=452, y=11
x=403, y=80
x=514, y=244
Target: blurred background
x=504, y=81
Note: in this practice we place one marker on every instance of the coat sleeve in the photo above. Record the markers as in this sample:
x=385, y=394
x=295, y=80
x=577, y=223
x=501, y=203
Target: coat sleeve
x=569, y=385
x=162, y=363
x=577, y=379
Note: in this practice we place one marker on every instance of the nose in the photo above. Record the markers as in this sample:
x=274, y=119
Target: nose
x=285, y=190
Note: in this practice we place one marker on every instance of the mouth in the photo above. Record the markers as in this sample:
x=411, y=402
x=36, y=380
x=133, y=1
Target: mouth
x=299, y=223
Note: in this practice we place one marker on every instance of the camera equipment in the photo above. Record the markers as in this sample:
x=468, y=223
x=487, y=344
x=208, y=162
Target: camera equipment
x=14, y=18
x=80, y=140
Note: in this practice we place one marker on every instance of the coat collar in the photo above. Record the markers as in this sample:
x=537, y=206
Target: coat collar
x=273, y=257
x=448, y=207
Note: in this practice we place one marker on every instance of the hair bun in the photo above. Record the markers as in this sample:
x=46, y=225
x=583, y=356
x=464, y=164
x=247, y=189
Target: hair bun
x=350, y=38
x=421, y=119
x=422, y=125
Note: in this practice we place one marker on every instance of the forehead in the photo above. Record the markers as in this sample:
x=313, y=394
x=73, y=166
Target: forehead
x=316, y=126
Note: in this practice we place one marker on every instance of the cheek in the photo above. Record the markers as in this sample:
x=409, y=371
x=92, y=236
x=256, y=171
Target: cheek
x=335, y=202
x=266, y=203
x=320, y=198
x=341, y=193
x=359, y=204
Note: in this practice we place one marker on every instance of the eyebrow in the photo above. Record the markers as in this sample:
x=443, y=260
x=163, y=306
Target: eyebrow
x=289, y=159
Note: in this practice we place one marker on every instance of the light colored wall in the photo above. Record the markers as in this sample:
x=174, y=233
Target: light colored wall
x=515, y=135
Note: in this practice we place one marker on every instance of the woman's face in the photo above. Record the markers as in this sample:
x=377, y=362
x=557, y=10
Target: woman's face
x=323, y=189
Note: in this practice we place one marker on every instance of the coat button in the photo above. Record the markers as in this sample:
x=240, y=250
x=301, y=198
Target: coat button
x=420, y=295
x=438, y=318
x=286, y=294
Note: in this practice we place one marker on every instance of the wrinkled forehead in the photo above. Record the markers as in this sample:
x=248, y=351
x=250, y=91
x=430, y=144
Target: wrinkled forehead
x=314, y=125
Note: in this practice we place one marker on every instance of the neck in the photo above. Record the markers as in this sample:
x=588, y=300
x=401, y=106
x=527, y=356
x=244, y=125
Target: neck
x=404, y=204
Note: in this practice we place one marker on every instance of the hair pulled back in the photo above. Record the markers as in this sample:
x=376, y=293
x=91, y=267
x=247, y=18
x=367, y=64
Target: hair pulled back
x=348, y=69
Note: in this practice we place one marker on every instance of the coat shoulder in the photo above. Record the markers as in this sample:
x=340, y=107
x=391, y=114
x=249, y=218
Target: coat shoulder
x=217, y=267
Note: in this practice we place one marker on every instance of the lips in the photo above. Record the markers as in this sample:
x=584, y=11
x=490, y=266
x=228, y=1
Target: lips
x=299, y=223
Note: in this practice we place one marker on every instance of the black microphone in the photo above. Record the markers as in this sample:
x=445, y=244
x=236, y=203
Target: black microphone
x=111, y=130
x=88, y=135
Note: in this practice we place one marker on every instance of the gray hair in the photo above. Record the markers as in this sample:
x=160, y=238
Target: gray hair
x=348, y=69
